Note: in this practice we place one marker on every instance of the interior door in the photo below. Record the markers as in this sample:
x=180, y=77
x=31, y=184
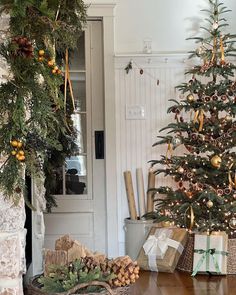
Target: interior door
x=80, y=193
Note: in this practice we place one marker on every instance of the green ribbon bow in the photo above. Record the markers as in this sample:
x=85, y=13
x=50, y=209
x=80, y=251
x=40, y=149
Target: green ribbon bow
x=206, y=254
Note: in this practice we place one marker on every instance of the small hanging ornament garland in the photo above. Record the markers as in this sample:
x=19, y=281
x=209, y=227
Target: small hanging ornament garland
x=141, y=71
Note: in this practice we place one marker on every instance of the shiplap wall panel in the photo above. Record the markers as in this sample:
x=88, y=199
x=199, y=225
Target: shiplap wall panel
x=136, y=137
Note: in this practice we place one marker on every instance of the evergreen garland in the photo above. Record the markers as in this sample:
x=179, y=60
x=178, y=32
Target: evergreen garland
x=35, y=124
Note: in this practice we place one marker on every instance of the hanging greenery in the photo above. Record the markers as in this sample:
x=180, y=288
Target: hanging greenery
x=36, y=130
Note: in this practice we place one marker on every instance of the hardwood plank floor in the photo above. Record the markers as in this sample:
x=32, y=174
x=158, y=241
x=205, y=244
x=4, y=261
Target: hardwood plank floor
x=179, y=283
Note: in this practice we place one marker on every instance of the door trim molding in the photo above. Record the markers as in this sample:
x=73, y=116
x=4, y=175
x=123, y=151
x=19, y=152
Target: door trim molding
x=106, y=12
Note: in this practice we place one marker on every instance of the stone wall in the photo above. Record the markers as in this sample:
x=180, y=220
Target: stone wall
x=12, y=246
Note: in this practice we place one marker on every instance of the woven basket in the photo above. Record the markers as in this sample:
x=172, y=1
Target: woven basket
x=35, y=289
x=186, y=259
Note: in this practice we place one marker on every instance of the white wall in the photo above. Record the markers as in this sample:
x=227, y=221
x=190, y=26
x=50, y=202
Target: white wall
x=167, y=22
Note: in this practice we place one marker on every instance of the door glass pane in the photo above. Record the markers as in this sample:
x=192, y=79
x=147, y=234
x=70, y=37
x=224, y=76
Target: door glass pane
x=79, y=89
x=77, y=57
x=72, y=178
x=58, y=181
x=75, y=175
x=80, y=125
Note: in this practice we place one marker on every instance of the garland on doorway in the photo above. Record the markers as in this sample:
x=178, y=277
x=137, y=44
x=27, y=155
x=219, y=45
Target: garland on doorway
x=36, y=130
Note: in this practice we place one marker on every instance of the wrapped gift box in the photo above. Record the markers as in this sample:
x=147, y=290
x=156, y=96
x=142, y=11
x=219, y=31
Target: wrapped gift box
x=162, y=249
x=210, y=253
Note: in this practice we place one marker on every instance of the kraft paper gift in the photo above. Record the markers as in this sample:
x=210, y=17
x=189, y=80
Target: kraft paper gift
x=162, y=249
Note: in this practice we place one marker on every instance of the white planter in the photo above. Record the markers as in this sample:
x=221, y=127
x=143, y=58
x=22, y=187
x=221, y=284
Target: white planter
x=136, y=232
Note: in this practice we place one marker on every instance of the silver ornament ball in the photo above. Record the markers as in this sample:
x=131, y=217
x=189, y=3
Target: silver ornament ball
x=209, y=204
x=176, y=141
x=232, y=223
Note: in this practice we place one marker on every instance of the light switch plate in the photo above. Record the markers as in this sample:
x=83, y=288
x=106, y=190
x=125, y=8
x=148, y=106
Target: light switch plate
x=135, y=112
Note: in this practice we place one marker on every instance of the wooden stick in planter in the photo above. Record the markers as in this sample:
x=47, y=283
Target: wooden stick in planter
x=141, y=193
x=130, y=195
x=151, y=184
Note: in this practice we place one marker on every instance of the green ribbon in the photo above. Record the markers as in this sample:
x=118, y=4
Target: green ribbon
x=206, y=254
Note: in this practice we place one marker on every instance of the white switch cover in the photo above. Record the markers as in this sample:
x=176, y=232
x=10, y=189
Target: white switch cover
x=135, y=112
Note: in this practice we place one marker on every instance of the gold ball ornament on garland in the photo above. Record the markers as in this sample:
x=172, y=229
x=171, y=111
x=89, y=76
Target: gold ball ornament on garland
x=209, y=204
x=13, y=153
x=190, y=98
x=21, y=153
x=216, y=161
x=41, y=52
x=50, y=63
x=41, y=59
x=14, y=143
x=20, y=157
x=232, y=223
x=19, y=144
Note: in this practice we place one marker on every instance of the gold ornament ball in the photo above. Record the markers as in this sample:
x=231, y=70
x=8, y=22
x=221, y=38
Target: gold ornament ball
x=180, y=170
x=190, y=98
x=20, y=157
x=216, y=161
x=54, y=71
x=19, y=144
x=209, y=204
x=51, y=63
x=13, y=153
x=232, y=223
x=14, y=143
x=41, y=52
x=41, y=58
x=56, y=68
x=21, y=153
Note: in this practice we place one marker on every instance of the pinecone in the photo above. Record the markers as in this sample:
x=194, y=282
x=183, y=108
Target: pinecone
x=23, y=48
x=89, y=263
x=126, y=271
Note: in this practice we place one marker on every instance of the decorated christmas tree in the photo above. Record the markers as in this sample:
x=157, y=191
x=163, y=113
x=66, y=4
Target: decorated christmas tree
x=36, y=98
x=205, y=170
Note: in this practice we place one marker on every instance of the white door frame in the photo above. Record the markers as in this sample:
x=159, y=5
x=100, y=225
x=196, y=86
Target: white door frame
x=106, y=12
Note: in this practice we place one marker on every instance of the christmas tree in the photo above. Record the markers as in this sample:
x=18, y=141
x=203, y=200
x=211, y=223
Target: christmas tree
x=205, y=172
x=35, y=105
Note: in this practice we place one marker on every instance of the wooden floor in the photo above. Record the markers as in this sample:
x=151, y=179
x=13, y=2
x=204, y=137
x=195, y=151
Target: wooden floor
x=179, y=283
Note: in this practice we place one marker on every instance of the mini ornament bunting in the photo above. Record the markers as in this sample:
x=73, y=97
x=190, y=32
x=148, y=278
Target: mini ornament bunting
x=68, y=80
x=199, y=116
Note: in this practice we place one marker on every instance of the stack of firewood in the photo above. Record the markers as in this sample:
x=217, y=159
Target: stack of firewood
x=124, y=270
